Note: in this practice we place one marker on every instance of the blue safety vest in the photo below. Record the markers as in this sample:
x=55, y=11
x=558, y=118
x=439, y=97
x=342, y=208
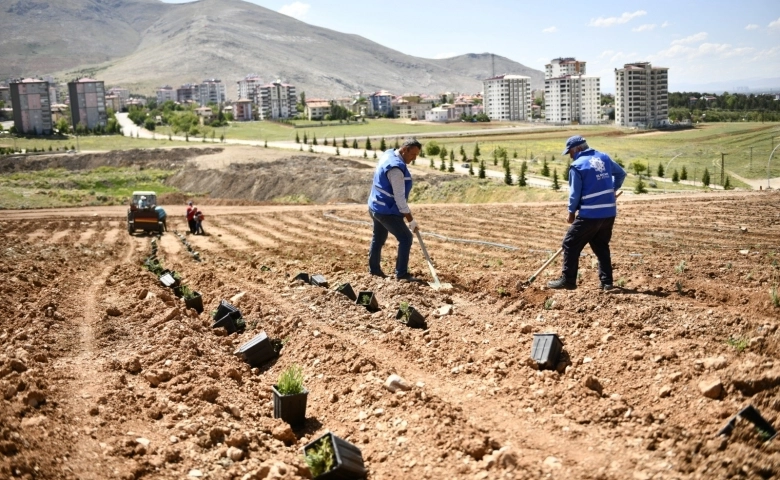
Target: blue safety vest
x=381, y=199
x=597, y=198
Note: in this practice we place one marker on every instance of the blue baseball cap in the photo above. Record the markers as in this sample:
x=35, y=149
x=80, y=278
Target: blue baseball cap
x=572, y=142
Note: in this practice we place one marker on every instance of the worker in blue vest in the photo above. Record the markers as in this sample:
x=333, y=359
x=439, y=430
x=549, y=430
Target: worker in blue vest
x=388, y=208
x=593, y=180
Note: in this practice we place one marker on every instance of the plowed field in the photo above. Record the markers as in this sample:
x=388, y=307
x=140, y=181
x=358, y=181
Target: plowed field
x=105, y=374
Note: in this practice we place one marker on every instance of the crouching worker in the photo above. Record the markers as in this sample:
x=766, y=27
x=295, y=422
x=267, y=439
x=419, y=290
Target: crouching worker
x=162, y=217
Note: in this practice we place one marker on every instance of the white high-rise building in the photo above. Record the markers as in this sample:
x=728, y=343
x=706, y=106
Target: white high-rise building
x=570, y=96
x=165, y=93
x=248, y=86
x=212, y=90
x=276, y=100
x=507, y=97
x=560, y=67
x=641, y=95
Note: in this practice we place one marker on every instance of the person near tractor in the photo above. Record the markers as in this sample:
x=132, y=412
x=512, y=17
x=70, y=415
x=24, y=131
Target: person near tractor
x=388, y=207
x=142, y=202
x=162, y=217
x=191, y=217
x=199, y=222
x=593, y=180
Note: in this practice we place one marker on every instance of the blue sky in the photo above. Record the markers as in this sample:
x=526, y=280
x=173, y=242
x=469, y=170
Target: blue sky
x=700, y=42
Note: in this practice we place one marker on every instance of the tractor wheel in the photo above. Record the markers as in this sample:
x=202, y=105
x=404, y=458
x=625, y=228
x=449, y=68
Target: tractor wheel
x=130, y=229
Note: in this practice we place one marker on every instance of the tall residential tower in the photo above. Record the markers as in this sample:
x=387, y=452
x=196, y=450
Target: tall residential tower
x=507, y=97
x=569, y=95
x=641, y=95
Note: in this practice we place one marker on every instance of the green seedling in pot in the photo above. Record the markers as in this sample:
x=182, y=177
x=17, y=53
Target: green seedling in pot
x=365, y=299
x=320, y=458
x=405, y=311
x=290, y=381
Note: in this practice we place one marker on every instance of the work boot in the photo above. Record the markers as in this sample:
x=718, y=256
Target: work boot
x=379, y=274
x=407, y=277
x=562, y=282
x=607, y=286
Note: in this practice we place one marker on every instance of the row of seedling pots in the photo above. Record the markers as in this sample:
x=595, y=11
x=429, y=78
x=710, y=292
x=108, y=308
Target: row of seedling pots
x=328, y=456
x=172, y=280
x=406, y=314
x=195, y=254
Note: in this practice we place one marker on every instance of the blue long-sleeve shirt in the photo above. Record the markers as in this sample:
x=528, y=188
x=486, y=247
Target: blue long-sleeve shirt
x=594, y=174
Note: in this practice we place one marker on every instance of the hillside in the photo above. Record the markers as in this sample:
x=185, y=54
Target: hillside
x=142, y=44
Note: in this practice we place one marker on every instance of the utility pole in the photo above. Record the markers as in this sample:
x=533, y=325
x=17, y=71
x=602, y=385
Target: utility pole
x=722, y=168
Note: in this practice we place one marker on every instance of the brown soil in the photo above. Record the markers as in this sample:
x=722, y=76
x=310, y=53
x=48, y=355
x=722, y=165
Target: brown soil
x=105, y=374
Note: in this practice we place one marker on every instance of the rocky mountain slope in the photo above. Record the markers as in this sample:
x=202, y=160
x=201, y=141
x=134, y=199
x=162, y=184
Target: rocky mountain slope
x=142, y=44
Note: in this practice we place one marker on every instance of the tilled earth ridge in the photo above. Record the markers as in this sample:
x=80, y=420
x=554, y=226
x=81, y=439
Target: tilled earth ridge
x=105, y=374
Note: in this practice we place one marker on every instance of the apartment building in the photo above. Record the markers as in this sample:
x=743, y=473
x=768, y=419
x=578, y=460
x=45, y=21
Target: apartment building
x=31, y=106
x=247, y=87
x=188, y=93
x=165, y=93
x=316, y=109
x=242, y=110
x=122, y=93
x=561, y=67
x=380, y=103
x=5, y=95
x=412, y=108
x=276, y=100
x=88, y=103
x=570, y=96
x=211, y=90
x=507, y=97
x=641, y=95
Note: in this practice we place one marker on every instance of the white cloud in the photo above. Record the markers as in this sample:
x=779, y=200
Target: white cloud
x=752, y=26
x=648, y=27
x=607, y=53
x=712, y=50
x=665, y=24
x=550, y=30
x=610, y=21
x=295, y=9
x=775, y=24
x=698, y=37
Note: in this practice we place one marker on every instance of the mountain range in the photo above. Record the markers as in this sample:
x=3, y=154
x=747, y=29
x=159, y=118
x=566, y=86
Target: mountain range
x=144, y=44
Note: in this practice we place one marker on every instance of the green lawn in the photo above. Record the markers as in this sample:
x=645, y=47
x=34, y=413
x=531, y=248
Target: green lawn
x=60, y=187
x=88, y=143
x=699, y=148
x=270, y=131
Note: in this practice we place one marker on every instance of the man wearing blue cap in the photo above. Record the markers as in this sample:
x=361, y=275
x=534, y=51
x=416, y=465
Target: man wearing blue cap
x=593, y=180
x=388, y=207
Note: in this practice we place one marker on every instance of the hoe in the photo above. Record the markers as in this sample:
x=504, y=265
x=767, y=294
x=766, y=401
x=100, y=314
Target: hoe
x=436, y=284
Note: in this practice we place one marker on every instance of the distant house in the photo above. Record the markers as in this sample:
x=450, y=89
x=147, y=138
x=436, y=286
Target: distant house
x=5, y=94
x=242, y=110
x=114, y=103
x=438, y=114
x=58, y=111
x=412, y=107
x=317, y=109
x=204, y=113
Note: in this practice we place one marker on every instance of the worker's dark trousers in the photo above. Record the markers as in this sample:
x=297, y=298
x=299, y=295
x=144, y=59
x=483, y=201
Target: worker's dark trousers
x=594, y=231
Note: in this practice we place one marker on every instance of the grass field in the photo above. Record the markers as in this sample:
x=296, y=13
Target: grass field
x=89, y=143
x=60, y=187
x=698, y=148
x=271, y=132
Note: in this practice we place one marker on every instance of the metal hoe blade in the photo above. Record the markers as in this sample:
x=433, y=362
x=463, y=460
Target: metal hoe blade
x=436, y=284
